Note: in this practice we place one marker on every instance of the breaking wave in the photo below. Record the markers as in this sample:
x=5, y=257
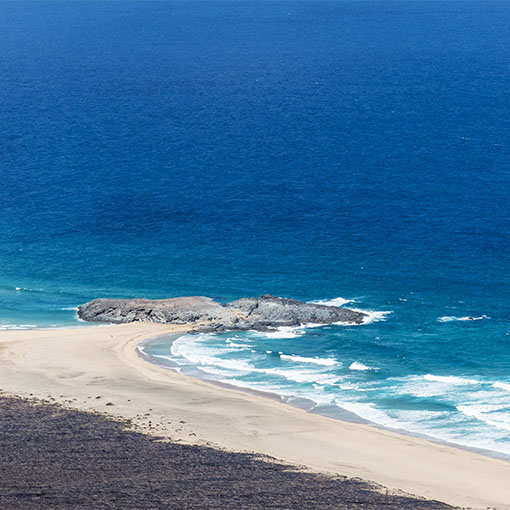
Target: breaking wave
x=360, y=366
x=453, y=318
x=304, y=359
x=493, y=415
x=502, y=386
x=449, y=379
x=284, y=332
x=372, y=315
x=338, y=301
x=16, y=327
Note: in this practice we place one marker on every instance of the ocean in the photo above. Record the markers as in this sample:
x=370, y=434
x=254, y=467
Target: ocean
x=350, y=152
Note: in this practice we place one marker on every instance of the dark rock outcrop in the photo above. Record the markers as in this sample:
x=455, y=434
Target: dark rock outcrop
x=270, y=310
x=264, y=312
x=182, y=310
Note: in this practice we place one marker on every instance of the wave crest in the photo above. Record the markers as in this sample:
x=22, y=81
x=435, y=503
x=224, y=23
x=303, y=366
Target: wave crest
x=356, y=365
x=338, y=301
x=303, y=359
x=453, y=318
x=450, y=379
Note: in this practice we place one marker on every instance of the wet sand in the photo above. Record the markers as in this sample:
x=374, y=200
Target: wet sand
x=98, y=369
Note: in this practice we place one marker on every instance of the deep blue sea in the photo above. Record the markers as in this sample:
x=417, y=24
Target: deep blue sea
x=311, y=149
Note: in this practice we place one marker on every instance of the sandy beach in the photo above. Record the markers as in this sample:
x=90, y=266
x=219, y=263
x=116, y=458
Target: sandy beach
x=98, y=369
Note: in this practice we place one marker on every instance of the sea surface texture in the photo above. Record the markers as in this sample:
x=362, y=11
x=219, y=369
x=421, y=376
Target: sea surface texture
x=309, y=149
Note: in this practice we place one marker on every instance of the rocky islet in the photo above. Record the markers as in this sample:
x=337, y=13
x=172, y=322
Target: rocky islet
x=259, y=313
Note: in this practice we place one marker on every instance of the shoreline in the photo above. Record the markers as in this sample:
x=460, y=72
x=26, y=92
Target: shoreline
x=282, y=399
x=99, y=369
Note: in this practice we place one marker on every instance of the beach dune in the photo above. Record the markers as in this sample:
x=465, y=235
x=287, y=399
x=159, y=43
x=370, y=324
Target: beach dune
x=99, y=369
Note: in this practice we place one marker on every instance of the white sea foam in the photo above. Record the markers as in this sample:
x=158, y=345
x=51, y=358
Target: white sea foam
x=420, y=422
x=452, y=318
x=169, y=358
x=207, y=363
x=73, y=308
x=502, y=386
x=450, y=379
x=235, y=365
x=360, y=366
x=302, y=376
x=316, y=394
x=232, y=343
x=217, y=371
x=257, y=386
x=193, y=349
x=338, y=301
x=7, y=327
x=350, y=386
x=284, y=332
x=373, y=315
x=304, y=359
x=490, y=414
x=312, y=325
x=472, y=389
x=370, y=412
x=203, y=356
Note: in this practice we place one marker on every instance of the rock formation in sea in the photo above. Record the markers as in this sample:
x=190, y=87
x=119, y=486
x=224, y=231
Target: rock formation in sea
x=262, y=313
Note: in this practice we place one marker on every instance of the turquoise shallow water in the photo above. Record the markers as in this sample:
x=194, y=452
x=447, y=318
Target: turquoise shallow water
x=380, y=372
x=304, y=149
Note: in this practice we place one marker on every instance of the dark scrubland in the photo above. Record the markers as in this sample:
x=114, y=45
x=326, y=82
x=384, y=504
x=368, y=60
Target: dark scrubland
x=55, y=458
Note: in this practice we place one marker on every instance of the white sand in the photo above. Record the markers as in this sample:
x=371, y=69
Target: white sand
x=74, y=366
